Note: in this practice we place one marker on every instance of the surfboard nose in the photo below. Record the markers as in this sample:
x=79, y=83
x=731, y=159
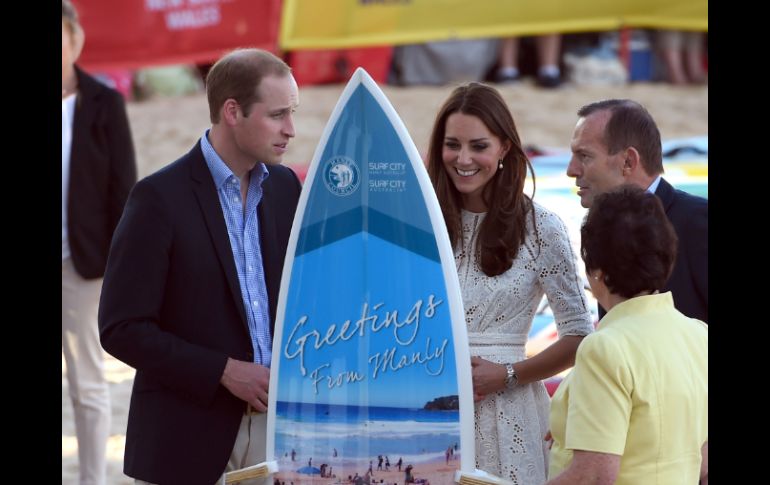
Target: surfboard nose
x=360, y=75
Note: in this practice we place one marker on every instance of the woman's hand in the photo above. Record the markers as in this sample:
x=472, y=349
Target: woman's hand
x=548, y=438
x=487, y=376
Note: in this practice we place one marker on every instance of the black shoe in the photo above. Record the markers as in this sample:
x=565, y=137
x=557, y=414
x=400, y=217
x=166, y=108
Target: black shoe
x=507, y=78
x=548, y=81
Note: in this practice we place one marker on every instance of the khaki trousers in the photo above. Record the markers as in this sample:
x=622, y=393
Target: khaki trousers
x=83, y=355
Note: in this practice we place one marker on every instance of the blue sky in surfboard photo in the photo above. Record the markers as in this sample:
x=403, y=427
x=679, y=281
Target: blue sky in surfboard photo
x=397, y=349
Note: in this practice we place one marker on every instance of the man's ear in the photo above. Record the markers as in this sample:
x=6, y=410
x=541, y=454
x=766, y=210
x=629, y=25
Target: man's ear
x=631, y=161
x=230, y=110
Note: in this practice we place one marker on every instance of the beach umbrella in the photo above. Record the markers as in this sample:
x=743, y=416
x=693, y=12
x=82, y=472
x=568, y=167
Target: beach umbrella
x=309, y=470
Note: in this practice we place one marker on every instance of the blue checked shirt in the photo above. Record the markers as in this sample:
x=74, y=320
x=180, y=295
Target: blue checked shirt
x=243, y=230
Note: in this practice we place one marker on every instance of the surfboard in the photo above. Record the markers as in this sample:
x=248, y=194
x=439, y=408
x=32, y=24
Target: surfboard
x=371, y=369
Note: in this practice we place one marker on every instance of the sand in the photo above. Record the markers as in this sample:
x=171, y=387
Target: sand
x=437, y=472
x=165, y=128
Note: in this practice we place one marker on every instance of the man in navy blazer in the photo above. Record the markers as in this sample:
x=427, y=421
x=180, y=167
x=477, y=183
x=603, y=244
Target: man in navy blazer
x=617, y=142
x=192, y=281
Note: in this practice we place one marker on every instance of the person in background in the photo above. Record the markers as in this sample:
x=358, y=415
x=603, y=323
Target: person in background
x=98, y=170
x=408, y=477
x=191, y=286
x=509, y=252
x=682, y=53
x=615, y=142
x=635, y=406
x=548, y=49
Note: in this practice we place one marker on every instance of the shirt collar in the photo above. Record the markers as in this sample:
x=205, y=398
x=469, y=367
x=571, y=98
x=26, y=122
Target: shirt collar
x=636, y=305
x=654, y=185
x=219, y=169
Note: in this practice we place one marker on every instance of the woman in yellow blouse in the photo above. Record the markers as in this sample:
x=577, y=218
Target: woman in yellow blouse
x=635, y=407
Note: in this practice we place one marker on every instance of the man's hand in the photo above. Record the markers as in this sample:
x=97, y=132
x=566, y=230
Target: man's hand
x=247, y=381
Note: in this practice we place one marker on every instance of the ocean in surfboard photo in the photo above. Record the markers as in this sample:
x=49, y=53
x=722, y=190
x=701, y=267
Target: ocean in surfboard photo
x=361, y=433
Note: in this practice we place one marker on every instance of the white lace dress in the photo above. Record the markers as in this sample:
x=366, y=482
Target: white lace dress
x=499, y=311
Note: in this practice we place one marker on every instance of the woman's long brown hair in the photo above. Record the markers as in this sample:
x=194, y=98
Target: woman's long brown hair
x=504, y=228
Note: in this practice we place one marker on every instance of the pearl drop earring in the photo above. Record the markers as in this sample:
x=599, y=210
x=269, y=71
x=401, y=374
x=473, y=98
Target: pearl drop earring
x=500, y=164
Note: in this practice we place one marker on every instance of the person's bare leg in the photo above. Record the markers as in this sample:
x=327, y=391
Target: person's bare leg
x=508, y=60
x=693, y=45
x=509, y=52
x=548, y=50
x=670, y=48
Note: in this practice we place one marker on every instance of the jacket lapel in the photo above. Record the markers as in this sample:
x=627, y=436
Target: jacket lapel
x=665, y=193
x=267, y=245
x=85, y=112
x=208, y=200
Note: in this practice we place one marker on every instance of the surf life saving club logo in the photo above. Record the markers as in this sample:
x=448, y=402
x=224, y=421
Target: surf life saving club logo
x=341, y=176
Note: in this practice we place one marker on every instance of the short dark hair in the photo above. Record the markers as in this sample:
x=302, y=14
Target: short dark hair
x=69, y=15
x=237, y=75
x=627, y=236
x=630, y=125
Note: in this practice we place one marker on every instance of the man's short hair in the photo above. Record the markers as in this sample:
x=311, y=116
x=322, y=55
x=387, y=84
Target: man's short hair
x=630, y=125
x=237, y=75
x=69, y=15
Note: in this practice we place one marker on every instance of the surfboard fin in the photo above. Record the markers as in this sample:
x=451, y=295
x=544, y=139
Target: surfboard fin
x=260, y=470
x=479, y=477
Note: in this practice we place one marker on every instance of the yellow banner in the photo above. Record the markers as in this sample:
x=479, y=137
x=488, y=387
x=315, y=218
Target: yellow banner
x=308, y=24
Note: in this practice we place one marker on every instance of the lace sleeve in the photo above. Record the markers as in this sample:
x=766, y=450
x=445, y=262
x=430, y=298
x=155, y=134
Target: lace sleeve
x=559, y=277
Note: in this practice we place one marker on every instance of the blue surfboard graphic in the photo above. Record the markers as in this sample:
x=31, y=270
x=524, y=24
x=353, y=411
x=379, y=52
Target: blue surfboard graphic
x=370, y=355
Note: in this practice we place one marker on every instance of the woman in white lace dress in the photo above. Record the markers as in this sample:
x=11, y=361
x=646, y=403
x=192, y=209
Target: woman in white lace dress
x=509, y=252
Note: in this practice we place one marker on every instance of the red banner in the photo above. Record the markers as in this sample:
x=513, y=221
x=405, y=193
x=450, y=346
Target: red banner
x=127, y=34
x=337, y=65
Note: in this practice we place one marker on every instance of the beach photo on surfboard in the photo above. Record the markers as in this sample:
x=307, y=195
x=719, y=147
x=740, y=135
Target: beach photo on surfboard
x=369, y=369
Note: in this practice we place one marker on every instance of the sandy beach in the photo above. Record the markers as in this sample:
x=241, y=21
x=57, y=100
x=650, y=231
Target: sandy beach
x=436, y=470
x=165, y=128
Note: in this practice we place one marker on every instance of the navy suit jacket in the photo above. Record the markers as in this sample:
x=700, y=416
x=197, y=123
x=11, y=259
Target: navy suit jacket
x=102, y=172
x=689, y=280
x=171, y=308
